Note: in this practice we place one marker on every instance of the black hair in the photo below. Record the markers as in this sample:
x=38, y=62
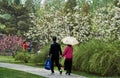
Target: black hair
x=54, y=38
x=24, y=42
x=69, y=45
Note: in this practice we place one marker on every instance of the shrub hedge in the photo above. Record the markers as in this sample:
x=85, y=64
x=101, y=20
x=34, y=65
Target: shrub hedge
x=98, y=57
x=23, y=57
x=42, y=55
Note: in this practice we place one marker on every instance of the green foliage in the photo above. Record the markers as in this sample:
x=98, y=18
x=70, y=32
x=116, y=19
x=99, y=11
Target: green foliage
x=116, y=43
x=19, y=18
x=69, y=6
x=29, y=5
x=23, y=57
x=42, y=55
x=86, y=8
x=17, y=2
x=117, y=3
x=98, y=57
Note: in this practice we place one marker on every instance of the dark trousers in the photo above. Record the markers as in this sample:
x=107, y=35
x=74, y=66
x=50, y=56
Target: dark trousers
x=68, y=65
x=56, y=61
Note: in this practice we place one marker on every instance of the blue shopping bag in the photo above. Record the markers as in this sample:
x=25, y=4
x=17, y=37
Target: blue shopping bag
x=48, y=64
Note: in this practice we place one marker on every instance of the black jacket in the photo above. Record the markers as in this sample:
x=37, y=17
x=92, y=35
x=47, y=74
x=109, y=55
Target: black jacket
x=55, y=50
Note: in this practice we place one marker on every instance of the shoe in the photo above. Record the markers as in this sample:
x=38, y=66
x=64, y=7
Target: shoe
x=68, y=73
x=60, y=71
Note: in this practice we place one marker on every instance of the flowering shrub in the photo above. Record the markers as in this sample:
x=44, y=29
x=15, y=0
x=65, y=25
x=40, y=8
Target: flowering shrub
x=60, y=25
x=107, y=26
x=103, y=24
x=10, y=43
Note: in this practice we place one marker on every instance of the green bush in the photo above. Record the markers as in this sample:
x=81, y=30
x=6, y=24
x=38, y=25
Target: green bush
x=98, y=57
x=42, y=55
x=23, y=57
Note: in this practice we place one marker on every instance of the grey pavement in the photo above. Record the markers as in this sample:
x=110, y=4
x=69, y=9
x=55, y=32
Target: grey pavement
x=38, y=71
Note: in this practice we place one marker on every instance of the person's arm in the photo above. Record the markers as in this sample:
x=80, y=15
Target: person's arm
x=65, y=51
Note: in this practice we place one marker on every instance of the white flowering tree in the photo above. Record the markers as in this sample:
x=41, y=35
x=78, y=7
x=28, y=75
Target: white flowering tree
x=107, y=26
x=94, y=25
x=60, y=25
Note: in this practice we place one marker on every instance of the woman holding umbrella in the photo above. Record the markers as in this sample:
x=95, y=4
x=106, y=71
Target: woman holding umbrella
x=68, y=53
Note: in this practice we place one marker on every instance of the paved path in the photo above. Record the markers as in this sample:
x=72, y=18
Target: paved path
x=38, y=71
